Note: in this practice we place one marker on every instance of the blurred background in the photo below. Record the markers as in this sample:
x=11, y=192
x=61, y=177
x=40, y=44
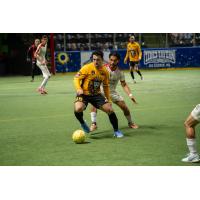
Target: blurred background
x=77, y=48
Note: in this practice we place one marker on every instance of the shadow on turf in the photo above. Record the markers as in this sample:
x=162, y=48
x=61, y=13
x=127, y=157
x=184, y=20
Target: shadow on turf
x=154, y=127
x=128, y=132
x=84, y=143
x=109, y=134
x=101, y=135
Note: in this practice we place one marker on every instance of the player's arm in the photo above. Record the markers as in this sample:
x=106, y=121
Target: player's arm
x=28, y=56
x=106, y=87
x=126, y=88
x=78, y=79
x=37, y=52
x=46, y=57
x=139, y=52
x=126, y=57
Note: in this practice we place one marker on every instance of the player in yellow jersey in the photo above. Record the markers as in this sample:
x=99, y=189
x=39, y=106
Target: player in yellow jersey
x=134, y=55
x=87, y=84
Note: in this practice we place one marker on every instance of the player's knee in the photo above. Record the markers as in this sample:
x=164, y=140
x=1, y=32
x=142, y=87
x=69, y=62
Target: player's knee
x=185, y=124
x=78, y=109
x=108, y=108
x=47, y=76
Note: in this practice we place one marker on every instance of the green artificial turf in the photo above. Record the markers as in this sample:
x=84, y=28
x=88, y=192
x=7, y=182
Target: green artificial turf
x=36, y=130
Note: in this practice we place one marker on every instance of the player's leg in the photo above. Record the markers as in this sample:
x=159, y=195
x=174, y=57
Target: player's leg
x=46, y=75
x=93, y=115
x=79, y=106
x=99, y=102
x=32, y=71
x=131, y=65
x=190, y=123
x=138, y=71
x=127, y=113
x=107, y=108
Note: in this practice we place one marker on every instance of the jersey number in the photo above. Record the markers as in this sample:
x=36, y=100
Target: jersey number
x=133, y=53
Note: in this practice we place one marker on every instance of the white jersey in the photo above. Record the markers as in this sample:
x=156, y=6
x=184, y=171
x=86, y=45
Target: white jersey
x=41, y=52
x=115, y=77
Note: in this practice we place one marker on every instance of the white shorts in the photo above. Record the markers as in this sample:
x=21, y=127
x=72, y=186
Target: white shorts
x=44, y=70
x=196, y=113
x=116, y=97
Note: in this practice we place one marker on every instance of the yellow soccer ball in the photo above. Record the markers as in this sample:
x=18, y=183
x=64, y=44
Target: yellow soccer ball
x=78, y=136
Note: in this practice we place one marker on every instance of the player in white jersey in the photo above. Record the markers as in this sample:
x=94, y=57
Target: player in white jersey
x=190, y=124
x=42, y=63
x=116, y=75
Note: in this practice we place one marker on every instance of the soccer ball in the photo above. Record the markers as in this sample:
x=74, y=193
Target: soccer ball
x=78, y=136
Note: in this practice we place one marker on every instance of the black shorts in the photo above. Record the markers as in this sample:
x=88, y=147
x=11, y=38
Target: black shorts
x=96, y=100
x=133, y=63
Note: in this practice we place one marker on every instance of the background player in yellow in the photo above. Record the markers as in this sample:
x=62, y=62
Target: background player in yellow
x=134, y=55
x=87, y=84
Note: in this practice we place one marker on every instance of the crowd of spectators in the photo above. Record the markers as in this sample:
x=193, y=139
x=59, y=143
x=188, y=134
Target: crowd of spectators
x=93, y=41
x=182, y=39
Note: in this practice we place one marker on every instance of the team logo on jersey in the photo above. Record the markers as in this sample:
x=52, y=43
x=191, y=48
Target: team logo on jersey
x=93, y=72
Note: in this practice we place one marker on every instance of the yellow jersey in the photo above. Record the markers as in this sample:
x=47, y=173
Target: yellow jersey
x=133, y=52
x=89, y=79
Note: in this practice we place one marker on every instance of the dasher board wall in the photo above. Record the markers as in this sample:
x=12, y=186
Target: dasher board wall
x=71, y=61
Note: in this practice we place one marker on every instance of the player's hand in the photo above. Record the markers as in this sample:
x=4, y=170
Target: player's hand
x=132, y=98
x=125, y=61
x=79, y=92
x=134, y=101
x=107, y=101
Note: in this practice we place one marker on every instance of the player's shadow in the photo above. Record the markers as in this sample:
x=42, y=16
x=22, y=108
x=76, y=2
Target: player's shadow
x=128, y=132
x=101, y=135
x=154, y=127
x=86, y=142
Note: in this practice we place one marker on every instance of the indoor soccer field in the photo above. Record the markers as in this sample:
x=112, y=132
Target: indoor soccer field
x=36, y=130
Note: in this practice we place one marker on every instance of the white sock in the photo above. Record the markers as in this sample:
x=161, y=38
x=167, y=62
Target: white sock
x=93, y=117
x=191, y=143
x=128, y=117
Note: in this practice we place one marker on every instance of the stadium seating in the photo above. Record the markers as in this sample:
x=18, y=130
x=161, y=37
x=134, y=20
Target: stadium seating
x=99, y=41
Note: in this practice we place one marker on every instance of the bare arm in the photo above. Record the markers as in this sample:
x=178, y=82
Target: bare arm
x=128, y=91
x=106, y=87
x=139, y=52
x=126, y=57
x=78, y=79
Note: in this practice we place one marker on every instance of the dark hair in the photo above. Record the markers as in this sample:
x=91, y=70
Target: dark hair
x=44, y=37
x=97, y=53
x=114, y=54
